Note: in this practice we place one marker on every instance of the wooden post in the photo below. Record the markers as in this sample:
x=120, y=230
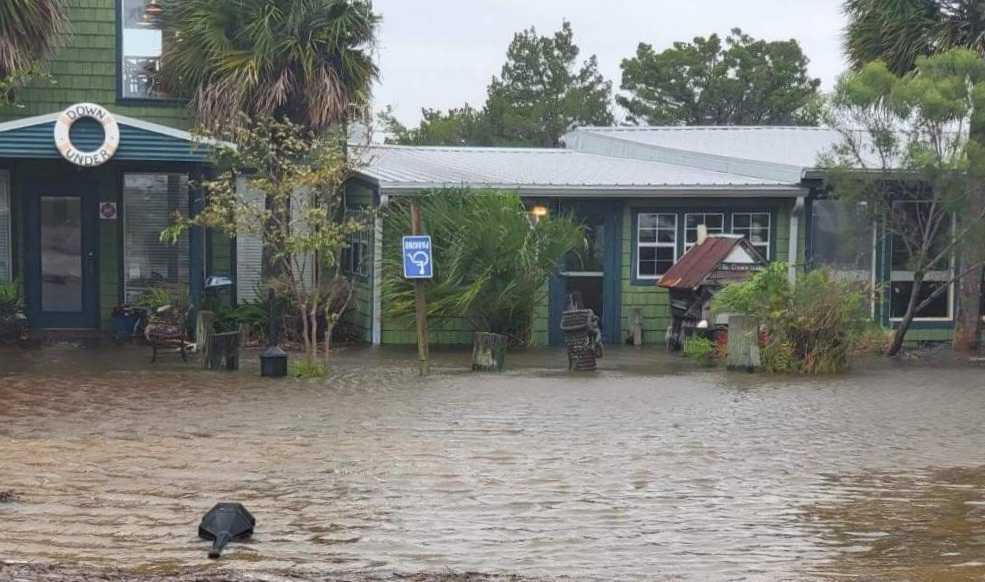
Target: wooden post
x=420, y=301
x=743, y=343
x=637, y=323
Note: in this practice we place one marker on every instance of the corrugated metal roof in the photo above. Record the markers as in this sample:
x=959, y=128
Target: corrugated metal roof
x=532, y=169
x=691, y=271
x=793, y=146
x=771, y=152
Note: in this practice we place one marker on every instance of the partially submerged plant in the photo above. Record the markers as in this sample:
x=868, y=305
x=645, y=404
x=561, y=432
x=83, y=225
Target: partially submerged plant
x=813, y=326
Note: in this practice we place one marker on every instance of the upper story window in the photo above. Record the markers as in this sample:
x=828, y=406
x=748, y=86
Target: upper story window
x=142, y=41
x=656, y=240
x=714, y=222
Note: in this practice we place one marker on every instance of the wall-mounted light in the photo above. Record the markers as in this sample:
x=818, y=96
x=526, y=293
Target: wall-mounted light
x=152, y=14
x=539, y=211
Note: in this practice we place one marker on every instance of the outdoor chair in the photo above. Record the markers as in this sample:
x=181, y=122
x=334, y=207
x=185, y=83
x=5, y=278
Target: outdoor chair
x=168, y=328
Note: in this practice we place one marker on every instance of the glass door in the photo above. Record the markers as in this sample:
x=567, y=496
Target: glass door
x=62, y=267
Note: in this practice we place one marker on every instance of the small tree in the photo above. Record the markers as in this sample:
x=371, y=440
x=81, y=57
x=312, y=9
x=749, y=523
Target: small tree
x=300, y=175
x=491, y=260
x=906, y=157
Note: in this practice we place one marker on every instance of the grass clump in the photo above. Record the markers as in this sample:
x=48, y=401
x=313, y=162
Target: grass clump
x=308, y=370
x=700, y=349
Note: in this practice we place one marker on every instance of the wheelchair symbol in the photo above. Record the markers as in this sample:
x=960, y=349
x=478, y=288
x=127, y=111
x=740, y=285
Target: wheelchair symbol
x=421, y=260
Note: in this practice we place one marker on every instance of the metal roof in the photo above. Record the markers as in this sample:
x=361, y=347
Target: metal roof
x=781, y=153
x=699, y=263
x=558, y=172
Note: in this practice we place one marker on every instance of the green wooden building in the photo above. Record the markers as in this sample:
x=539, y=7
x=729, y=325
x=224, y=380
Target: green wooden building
x=644, y=192
x=93, y=162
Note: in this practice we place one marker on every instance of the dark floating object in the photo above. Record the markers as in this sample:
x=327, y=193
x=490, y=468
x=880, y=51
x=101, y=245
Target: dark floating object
x=224, y=523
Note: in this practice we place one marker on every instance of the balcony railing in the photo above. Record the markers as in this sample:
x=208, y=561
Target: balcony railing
x=140, y=78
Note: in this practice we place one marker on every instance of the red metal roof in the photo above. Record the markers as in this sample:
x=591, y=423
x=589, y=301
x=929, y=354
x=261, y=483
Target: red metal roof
x=701, y=261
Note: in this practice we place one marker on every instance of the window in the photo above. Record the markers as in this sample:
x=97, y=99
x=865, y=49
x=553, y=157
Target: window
x=149, y=202
x=142, y=42
x=901, y=276
x=754, y=226
x=356, y=256
x=656, y=238
x=713, y=222
x=6, y=269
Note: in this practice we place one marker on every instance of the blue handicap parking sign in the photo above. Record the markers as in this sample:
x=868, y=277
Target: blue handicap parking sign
x=417, y=257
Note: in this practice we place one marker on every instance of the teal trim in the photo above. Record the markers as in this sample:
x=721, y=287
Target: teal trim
x=136, y=144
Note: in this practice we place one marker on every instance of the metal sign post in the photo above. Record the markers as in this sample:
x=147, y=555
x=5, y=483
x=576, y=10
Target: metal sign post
x=419, y=266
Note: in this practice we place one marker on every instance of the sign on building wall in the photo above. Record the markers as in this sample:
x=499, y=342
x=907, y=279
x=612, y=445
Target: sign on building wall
x=417, y=257
x=63, y=138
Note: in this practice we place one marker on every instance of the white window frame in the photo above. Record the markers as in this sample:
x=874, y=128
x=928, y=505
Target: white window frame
x=688, y=246
x=657, y=244
x=769, y=230
x=6, y=220
x=929, y=277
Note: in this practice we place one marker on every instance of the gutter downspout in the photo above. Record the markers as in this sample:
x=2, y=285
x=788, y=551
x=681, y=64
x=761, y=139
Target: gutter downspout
x=378, y=272
x=794, y=243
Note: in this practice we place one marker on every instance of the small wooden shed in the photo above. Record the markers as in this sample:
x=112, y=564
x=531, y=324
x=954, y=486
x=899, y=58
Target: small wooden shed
x=692, y=281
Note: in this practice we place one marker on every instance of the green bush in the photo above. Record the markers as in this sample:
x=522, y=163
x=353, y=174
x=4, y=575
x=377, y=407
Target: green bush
x=813, y=326
x=701, y=349
x=491, y=261
x=11, y=300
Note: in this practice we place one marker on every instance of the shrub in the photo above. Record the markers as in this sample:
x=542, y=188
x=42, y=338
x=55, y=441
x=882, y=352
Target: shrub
x=11, y=300
x=700, y=349
x=491, y=262
x=813, y=326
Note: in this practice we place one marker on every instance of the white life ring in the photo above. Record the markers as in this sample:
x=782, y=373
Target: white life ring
x=63, y=139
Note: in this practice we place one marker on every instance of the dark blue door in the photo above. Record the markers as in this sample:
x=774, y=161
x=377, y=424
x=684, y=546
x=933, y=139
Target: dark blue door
x=62, y=268
x=592, y=278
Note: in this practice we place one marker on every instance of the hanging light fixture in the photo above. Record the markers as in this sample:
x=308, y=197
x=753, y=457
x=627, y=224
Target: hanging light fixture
x=152, y=13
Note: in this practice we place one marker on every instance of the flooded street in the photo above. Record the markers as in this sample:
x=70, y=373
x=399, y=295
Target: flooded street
x=649, y=469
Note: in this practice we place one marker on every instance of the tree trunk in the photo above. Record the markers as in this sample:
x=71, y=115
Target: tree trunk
x=904, y=324
x=488, y=352
x=204, y=328
x=743, y=343
x=968, y=318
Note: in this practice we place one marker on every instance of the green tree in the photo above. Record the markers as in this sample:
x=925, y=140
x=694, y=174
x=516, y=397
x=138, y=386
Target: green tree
x=491, y=260
x=541, y=93
x=308, y=61
x=907, y=154
x=741, y=81
x=29, y=32
x=899, y=32
x=463, y=126
x=293, y=167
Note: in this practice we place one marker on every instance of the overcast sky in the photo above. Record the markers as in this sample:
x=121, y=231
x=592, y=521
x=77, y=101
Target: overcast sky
x=442, y=53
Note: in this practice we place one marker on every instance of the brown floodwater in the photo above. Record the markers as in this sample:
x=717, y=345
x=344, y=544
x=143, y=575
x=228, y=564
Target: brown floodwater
x=649, y=469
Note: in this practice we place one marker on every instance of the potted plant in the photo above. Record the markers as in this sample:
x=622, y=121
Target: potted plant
x=491, y=264
x=13, y=322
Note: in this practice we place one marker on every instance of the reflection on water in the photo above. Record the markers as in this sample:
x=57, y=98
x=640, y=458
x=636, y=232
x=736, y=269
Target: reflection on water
x=658, y=470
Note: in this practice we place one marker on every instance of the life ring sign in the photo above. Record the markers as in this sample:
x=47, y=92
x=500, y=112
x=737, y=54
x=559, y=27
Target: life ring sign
x=63, y=139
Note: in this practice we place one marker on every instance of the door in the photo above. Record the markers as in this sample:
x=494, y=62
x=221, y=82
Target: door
x=589, y=279
x=62, y=265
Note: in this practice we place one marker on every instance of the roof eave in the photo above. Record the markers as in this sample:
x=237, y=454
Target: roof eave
x=582, y=191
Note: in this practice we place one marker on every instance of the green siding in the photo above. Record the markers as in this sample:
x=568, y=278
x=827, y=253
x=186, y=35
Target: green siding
x=85, y=69
x=654, y=302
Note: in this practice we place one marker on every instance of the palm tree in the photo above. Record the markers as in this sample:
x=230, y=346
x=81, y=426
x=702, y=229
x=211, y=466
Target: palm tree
x=29, y=31
x=308, y=61
x=900, y=31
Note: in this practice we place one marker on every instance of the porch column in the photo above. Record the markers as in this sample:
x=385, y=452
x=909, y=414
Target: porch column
x=196, y=242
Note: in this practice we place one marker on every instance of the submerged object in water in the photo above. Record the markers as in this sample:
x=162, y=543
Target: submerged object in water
x=224, y=523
